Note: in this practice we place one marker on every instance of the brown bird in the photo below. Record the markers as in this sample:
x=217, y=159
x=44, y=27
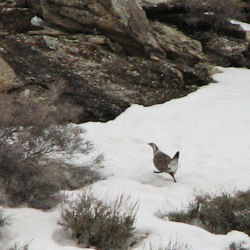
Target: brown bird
x=163, y=162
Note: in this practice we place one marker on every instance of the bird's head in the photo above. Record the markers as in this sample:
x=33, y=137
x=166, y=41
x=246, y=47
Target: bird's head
x=154, y=147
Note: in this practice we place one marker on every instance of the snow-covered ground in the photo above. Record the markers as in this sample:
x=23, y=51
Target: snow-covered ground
x=245, y=26
x=210, y=128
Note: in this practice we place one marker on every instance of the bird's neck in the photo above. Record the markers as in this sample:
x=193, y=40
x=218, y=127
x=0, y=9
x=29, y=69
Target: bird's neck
x=156, y=151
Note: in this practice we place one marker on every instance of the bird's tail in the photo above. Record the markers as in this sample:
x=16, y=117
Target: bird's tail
x=176, y=156
x=173, y=165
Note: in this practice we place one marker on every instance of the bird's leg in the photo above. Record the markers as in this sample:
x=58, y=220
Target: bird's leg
x=157, y=172
x=173, y=176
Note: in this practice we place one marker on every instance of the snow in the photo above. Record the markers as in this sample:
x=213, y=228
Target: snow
x=245, y=26
x=38, y=229
x=36, y=21
x=210, y=128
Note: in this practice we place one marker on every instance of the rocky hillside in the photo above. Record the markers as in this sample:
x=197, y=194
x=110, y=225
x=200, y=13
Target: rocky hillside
x=105, y=55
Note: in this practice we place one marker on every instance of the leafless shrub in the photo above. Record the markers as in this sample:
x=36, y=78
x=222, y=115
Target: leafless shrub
x=30, y=135
x=96, y=223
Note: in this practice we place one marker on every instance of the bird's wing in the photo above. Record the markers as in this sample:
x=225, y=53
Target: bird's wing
x=161, y=161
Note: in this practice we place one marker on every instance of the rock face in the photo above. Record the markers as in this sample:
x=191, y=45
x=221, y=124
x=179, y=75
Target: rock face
x=103, y=83
x=226, y=52
x=224, y=43
x=124, y=21
x=109, y=54
x=177, y=46
x=38, y=72
x=8, y=79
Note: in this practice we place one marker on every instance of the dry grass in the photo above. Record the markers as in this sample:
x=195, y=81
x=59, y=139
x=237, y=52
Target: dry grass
x=172, y=245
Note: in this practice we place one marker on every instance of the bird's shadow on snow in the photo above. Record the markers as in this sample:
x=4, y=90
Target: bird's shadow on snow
x=158, y=180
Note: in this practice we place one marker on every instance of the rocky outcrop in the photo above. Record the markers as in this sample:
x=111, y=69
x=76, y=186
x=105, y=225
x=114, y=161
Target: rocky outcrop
x=177, y=46
x=224, y=43
x=126, y=24
x=35, y=6
x=102, y=83
x=225, y=51
x=109, y=54
x=150, y=6
x=8, y=78
x=38, y=73
x=124, y=21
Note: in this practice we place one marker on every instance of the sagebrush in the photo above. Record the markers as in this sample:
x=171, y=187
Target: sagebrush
x=34, y=143
x=94, y=222
x=218, y=214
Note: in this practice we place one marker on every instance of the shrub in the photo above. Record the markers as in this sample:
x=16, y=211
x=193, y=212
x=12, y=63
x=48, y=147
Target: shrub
x=32, y=144
x=96, y=223
x=218, y=214
x=29, y=175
